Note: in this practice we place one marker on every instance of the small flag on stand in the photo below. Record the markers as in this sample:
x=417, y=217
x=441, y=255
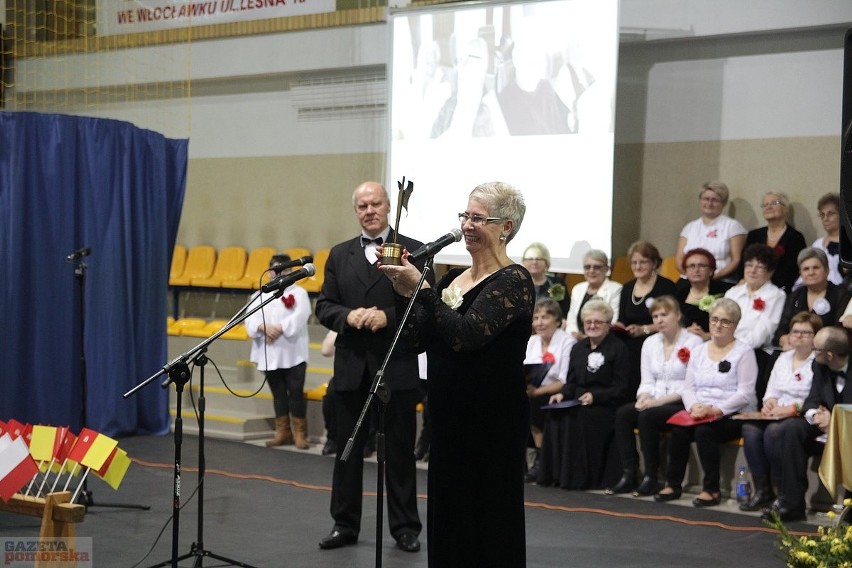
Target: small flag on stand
x=114, y=468
x=17, y=467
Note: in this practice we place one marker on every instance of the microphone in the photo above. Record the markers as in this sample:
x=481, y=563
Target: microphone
x=284, y=280
x=291, y=263
x=430, y=249
x=78, y=254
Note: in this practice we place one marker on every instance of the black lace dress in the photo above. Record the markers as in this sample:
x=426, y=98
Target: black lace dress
x=480, y=418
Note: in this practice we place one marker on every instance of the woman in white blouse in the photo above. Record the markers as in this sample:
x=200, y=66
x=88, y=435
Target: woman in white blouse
x=664, y=358
x=720, y=380
x=595, y=270
x=789, y=384
x=549, y=346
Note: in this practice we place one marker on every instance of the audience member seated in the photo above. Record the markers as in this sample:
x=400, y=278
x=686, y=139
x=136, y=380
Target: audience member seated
x=719, y=382
x=722, y=236
x=788, y=387
x=698, y=291
x=664, y=358
x=550, y=346
x=829, y=213
x=536, y=260
x=830, y=367
x=596, y=284
x=634, y=318
x=576, y=439
x=761, y=303
x=817, y=295
x=783, y=239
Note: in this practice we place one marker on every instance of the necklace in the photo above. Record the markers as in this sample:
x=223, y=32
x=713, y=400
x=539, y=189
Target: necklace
x=641, y=298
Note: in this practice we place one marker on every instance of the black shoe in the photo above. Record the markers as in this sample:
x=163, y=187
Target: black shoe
x=663, y=497
x=337, y=539
x=785, y=514
x=758, y=501
x=421, y=449
x=408, y=542
x=531, y=476
x=648, y=487
x=714, y=500
x=626, y=484
x=330, y=447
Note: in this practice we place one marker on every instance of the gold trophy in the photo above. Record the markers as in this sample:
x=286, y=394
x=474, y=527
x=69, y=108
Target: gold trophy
x=392, y=251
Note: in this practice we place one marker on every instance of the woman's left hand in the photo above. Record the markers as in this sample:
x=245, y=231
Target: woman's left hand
x=586, y=399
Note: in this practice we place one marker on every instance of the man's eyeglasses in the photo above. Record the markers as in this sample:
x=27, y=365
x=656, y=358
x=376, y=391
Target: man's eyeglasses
x=721, y=322
x=478, y=219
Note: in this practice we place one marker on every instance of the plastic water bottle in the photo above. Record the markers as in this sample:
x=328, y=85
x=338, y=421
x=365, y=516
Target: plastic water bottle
x=743, y=486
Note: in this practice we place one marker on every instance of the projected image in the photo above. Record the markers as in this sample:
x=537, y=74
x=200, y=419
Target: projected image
x=521, y=92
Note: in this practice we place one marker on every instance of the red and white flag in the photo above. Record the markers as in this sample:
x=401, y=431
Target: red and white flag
x=17, y=467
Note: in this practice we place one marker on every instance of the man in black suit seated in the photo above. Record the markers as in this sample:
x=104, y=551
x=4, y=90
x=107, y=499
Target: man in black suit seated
x=358, y=302
x=831, y=362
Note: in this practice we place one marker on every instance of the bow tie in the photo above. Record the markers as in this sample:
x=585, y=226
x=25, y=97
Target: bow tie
x=365, y=241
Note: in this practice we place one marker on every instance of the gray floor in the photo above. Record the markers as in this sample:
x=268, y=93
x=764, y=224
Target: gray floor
x=269, y=507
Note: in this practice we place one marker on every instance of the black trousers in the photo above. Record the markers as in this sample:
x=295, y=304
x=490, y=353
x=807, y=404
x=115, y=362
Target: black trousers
x=707, y=438
x=288, y=390
x=400, y=475
x=651, y=423
x=799, y=444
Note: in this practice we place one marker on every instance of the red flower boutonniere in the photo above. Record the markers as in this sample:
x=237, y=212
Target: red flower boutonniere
x=797, y=376
x=779, y=250
x=711, y=234
x=547, y=357
x=289, y=301
x=683, y=355
x=759, y=304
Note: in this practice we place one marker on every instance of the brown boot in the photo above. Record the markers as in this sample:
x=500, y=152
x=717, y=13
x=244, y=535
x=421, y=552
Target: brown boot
x=283, y=435
x=300, y=427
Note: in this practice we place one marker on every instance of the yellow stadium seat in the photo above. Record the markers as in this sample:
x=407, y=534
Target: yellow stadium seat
x=236, y=332
x=183, y=324
x=206, y=330
x=199, y=264
x=230, y=266
x=178, y=263
x=296, y=252
x=621, y=272
x=668, y=269
x=258, y=263
x=314, y=284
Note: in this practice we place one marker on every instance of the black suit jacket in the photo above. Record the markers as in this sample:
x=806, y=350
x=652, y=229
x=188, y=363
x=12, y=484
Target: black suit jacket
x=350, y=283
x=822, y=391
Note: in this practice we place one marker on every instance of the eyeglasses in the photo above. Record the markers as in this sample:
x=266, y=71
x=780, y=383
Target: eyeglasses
x=697, y=266
x=772, y=204
x=640, y=262
x=711, y=200
x=820, y=350
x=593, y=267
x=478, y=219
x=534, y=260
x=755, y=266
x=594, y=323
x=824, y=214
x=721, y=321
x=801, y=332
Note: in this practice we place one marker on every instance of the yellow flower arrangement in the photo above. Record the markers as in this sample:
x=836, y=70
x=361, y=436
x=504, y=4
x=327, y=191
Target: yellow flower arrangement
x=831, y=547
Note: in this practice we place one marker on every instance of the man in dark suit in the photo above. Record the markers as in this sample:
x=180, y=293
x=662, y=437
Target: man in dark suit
x=831, y=361
x=358, y=302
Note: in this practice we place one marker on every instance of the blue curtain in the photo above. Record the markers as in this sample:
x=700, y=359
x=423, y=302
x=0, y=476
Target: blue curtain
x=69, y=182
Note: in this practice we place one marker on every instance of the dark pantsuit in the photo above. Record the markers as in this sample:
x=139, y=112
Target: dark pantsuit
x=400, y=432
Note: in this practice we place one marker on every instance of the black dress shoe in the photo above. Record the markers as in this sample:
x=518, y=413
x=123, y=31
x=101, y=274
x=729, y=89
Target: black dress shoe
x=626, y=484
x=712, y=502
x=758, y=501
x=785, y=514
x=337, y=539
x=408, y=542
x=648, y=487
x=330, y=447
x=663, y=497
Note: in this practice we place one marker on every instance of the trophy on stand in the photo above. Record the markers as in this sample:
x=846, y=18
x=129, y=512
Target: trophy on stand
x=392, y=251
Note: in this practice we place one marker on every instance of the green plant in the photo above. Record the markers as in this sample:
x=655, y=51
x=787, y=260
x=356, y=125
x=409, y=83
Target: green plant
x=831, y=547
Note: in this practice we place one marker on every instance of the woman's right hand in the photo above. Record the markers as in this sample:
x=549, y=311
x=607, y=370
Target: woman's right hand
x=556, y=398
x=403, y=277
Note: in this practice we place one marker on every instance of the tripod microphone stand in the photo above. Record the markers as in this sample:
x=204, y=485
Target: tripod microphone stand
x=381, y=395
x=77, y=257
x=178, y=373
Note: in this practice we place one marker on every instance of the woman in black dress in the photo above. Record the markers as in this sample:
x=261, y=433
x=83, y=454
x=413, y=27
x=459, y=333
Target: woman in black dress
x=475, y=326
x=634, y=323
x=697, y=292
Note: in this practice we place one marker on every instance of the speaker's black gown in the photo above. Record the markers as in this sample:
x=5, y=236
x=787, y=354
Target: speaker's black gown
x=480, y=418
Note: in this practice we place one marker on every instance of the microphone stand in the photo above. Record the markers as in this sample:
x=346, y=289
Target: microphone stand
x=86, y=498
x=178, y=373
x=380, y=393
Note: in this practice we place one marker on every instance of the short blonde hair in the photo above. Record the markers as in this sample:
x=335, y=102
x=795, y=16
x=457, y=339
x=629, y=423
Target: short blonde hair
x=717, y=187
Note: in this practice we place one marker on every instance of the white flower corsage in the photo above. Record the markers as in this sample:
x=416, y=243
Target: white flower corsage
x=822, y=307
x=452, y=296
x=648, y=302
x=595, y=361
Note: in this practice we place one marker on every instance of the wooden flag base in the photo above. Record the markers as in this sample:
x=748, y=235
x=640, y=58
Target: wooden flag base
x=58, y=514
